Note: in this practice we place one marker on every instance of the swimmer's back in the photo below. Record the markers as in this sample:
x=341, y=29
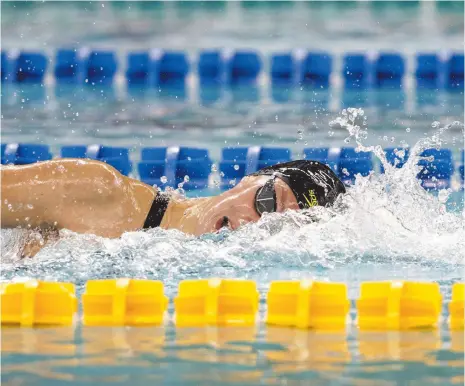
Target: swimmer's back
x=85, y=196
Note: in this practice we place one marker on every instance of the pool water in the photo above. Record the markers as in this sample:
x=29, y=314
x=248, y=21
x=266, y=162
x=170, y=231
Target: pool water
x=231, y=356
x=386, y=228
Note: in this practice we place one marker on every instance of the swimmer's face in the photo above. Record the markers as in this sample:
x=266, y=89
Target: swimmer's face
x=236, y=207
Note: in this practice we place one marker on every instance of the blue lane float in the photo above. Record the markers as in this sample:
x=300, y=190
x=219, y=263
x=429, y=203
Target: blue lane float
x=172, y=69
x=356, y=70
x=139, y=69
x=101, y=67
x=436, y=173
x=396, y=157
x=239, y=161
x=454, y=74
x=243, y=67
x=67, y=66
x=316, y=69
x=169, y=166
x=428, y=71
x=30, y=67
x=282, y=69
x=23, y=153
x=165, y=69
x=210, y=68
x=389, y=70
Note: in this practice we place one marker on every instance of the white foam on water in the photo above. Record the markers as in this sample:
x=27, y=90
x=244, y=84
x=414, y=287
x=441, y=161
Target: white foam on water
x=383, y=218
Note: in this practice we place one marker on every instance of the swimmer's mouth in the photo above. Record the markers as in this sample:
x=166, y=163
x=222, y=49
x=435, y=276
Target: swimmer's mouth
x=223, y=223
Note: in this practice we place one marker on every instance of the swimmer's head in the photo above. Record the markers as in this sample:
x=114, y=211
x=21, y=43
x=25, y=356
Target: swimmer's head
x=292, y=185
x=312, y=183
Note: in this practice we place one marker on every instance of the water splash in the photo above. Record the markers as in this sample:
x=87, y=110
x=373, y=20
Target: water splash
x=384, y=221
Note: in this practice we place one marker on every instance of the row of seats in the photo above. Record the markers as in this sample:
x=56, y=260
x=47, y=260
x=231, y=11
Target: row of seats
x=169, y=166
x=170, y=68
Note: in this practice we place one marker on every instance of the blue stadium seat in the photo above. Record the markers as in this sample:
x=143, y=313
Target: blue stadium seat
x=240, y=161
x=436, y=174
x=389, y=70
x=282, y=69
x=454, y=72
x=210, y=67
x=101, y=67
x=175, y=163
x=173, y=68
x=244, y=67
x=428, y=71
x=67, y=65
x=30, y=67
x=139, y=68
x=118, y=157
x=23, y=154
x=316, y=69
x=393, y=156
x=355, y=71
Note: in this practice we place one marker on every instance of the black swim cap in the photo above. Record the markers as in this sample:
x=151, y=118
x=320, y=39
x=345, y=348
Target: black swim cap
x=312, y=182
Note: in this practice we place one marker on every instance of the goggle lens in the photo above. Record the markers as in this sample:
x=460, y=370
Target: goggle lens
x=265, y=199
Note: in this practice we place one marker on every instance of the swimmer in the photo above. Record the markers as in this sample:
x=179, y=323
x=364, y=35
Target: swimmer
x=87, y=196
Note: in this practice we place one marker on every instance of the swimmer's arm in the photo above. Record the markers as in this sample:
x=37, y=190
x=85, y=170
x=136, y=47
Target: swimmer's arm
x=38, y=240
x=41, y=193
x=84, y=196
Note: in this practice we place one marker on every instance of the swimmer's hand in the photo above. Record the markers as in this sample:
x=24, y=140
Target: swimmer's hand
x=38, y=240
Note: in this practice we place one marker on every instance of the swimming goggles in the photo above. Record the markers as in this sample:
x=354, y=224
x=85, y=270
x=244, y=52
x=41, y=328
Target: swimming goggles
x=265, y=198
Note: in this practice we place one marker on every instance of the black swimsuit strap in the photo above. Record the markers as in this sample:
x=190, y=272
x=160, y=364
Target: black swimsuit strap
x=157, y=211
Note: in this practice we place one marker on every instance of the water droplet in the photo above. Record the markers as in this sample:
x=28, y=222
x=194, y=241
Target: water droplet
x=29, y=206
x=236, y=167
x=99, y=191
x=27, y=219
x=407, y=129
x=214, y=168
x=164, y=179
x=435, y=124
x=232, y=182
x=221, y=174
x=186, y=178
x=345, y=172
